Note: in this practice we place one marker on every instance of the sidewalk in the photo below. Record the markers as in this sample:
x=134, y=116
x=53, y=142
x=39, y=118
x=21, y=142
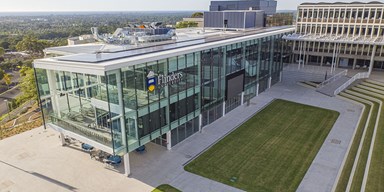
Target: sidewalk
x=156, y=167
x=35, y=160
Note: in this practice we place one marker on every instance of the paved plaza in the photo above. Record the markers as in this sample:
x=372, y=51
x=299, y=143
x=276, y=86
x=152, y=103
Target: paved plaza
x=36, y=161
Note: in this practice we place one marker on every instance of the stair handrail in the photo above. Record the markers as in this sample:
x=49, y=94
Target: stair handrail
x=362, y=75
x=332, y=79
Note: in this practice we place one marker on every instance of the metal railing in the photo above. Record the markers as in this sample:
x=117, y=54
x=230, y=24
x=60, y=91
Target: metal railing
x=362, y=75
x=332, y=79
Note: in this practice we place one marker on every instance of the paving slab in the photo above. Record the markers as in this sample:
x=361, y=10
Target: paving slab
x=36, y=161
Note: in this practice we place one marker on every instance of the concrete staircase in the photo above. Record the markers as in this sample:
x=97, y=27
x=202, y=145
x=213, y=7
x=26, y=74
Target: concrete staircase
x=330, y=88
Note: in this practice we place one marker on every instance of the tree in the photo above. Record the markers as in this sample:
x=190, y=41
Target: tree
x=32, y=45
x=4, y=44
x=197, y=15
x=2, y=51
x=28, y=84
x=185, y=24
x=7, y=78
x=2, y=73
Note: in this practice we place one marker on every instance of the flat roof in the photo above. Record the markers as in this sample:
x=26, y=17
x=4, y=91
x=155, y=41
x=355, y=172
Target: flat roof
x=342, y=3
x=190, y=40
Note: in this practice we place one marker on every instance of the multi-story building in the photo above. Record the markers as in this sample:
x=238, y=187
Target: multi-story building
x=348, y=35
x=118, y=98
x=269, y=6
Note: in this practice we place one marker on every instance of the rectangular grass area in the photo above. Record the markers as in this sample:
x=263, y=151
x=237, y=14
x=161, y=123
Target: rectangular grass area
x=271, y=151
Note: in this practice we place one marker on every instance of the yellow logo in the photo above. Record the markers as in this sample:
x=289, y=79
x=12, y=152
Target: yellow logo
x=151, y=81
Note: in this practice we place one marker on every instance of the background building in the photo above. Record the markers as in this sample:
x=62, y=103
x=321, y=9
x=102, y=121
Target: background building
x=269, y=6
x=348, y=35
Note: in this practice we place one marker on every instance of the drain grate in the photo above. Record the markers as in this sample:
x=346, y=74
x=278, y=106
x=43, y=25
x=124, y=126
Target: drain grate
x=336, y=141
x=350, y=110
x=188, y=156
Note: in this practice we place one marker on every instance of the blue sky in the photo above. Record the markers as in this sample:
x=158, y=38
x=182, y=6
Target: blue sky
x=126, y=5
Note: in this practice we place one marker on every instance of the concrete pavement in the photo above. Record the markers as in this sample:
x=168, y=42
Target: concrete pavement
x=35, y=160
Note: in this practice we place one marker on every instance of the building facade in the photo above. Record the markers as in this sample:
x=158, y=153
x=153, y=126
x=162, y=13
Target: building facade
x=269, y=6
x=118, y=101
x=348, y=35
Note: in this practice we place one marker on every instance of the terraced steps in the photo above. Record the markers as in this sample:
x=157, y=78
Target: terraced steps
x=366, y=151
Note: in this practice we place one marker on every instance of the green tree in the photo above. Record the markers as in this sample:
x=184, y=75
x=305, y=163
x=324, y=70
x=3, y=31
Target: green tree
x=197, y=15
x=2, y=51
x=2, y=73
x=32, y=45
x=7, y=78
x=28, y=84
x=4, y=44
x=185, y=24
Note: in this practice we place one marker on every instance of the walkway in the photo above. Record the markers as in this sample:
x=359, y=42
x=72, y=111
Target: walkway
x=35, y=159
x=330, y=88
x=156, y=167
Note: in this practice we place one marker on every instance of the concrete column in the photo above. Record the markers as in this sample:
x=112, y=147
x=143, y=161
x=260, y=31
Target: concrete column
x=300, y=48
x=269, y=82
x=257, y=89
x=200, y=122
x=354, y=63
x=127, y=167
x=242, y=98
x=223, y=108
x=62, y=137
x=281, y=76
x=169, y=140
x=53, y=91
x=372, y=62
x=321, y=60
x=306, y=59
x=122, y=120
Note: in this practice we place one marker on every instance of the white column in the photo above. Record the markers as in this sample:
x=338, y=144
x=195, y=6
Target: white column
x=127, y=167
x=53, y=92
x=169, y=140
x=372, y=60
x=322, y=60
x=333, y=58
x=257, y=89
x=200, y=122
x=300, y=48
x=62, y=137
x=281, y=76
x=269, y=82
x=120, y=95
x=242, y=98
x=223, y=108
x=354, y=63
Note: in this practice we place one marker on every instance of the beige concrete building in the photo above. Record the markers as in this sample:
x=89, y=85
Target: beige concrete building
x=344, y=35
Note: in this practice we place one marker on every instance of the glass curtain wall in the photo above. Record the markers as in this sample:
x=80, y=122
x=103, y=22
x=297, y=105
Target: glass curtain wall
x=159, y=96
x=213, y=84
x=69, y=100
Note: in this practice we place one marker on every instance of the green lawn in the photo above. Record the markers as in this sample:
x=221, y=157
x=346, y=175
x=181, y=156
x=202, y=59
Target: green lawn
x=165, y=188
x=270, y=152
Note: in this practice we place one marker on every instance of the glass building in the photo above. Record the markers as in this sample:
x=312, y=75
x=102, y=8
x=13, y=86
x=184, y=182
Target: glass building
x=120, y=100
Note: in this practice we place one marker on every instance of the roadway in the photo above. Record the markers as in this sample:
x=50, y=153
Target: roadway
x=8, y=95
